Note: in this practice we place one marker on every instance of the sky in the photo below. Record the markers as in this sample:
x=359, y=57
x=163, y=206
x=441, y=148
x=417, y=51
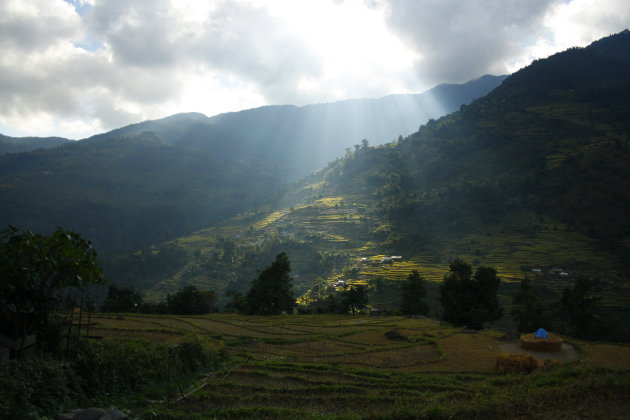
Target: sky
x=74, y=68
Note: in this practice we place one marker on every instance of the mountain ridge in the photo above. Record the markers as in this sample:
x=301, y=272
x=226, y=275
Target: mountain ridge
x=533, y=175
x=152, y=181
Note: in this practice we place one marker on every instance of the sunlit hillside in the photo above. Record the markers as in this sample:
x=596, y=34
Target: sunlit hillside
x=146, y=183
x=518, y=180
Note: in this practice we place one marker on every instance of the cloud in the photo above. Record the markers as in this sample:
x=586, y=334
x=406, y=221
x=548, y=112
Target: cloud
x=145, y=58
x=36, y=24
x=460, y=40
x=230, y=37
x=76, y=67
x=576, y=23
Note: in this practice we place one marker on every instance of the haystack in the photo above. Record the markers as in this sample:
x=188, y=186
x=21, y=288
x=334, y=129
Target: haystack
x=541, y=341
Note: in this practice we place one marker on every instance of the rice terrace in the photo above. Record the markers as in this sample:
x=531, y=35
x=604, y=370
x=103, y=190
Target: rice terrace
x=389, y=367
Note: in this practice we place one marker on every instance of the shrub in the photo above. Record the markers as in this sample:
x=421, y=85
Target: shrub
x=32, y=388
x=38, y=387
x=515, y=363
x=128, y=365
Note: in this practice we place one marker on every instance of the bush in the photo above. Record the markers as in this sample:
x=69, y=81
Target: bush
x=128, y=365
x=38, y=387
x=515, y=363
x=32, y=388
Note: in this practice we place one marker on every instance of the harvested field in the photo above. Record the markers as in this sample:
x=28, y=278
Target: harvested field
x=567, y=353
x=603, y=354
x=344, y=367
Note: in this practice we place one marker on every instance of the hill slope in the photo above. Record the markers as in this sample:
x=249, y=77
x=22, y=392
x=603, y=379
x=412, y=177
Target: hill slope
x=27, y=144
x=152, y=181
x=299, y=140
x=125, y=192
x=535, y=174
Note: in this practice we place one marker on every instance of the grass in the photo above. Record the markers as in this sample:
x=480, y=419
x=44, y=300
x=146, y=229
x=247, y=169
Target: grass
x=335, y=366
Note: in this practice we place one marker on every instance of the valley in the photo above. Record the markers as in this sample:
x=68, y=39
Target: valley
x=530, y=179
x=345, y=210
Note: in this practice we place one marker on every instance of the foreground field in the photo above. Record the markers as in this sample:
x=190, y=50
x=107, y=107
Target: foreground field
x=346, y=367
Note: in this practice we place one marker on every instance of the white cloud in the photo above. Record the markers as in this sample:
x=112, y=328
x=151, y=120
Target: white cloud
x=576, y=24
x=77, y=67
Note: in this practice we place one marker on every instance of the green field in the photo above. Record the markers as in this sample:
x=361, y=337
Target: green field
x=335, y=366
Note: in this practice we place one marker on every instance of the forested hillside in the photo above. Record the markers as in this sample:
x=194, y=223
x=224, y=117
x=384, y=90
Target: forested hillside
x=552, y=141
x=149, y=182
x=27, y=144
x=534, y=175
x=126, y=192
x=300, y=140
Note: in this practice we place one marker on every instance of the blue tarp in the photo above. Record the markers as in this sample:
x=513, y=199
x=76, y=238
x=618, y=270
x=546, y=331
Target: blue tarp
x=541, y=333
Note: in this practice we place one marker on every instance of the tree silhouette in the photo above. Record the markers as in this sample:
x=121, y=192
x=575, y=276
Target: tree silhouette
x=354, y=298
x=122, y=299
x=271, y=293
x=469, y=299
x=413, y=292
x=579, y=304
x=528, y=311
x=36, y=270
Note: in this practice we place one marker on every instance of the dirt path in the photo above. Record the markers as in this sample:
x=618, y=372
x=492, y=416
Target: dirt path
x=566, y=354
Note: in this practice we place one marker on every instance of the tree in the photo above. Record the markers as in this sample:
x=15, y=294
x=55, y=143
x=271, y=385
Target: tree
x=353, y=299
x=579, y=305
x=191, y=301
x=236, y=302
x=271, y=293
x=36, y=270
x=528, y=311
x=469, y=299
x=413, y=292
x=122, y=299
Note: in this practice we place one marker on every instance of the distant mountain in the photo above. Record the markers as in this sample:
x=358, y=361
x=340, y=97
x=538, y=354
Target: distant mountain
x=124, y=192
x=534, y=175
x=27, y=144
x=156, y=180
x=300, y=140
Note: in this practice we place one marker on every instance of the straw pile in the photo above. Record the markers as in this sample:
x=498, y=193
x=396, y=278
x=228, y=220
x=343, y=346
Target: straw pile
x=515, y=363
x=530, y=342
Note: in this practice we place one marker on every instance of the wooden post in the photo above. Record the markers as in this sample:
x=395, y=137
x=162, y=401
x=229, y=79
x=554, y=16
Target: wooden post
x=89, y=306
x=80, y=319
x=70, y=327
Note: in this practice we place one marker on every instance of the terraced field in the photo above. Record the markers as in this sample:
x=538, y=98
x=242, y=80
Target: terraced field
x=346, y=225
x=333, y=366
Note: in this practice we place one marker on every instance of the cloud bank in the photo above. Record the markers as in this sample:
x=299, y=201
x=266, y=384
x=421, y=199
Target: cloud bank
x=78, y=67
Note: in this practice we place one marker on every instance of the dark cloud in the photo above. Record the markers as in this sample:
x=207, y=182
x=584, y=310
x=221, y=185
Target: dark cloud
x=459, y=40
x=25, y=29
